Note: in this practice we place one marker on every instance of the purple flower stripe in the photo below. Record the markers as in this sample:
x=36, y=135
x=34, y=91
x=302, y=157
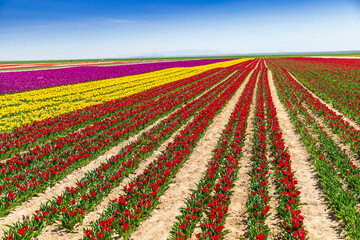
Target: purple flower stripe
x=11, y=82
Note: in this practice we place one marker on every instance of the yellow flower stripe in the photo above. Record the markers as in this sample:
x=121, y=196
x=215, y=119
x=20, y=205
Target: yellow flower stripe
x=26, y=107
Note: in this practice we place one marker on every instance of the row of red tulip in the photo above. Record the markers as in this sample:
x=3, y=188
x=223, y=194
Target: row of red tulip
x=257, y=204
x=334, y=120
x=118, y=118
x=340, y=93
x=39, y=132
x=220, y=172
x=327, y=162
x=289, y=195
x=73, y=204
x=347, y=168
x=212, y=225
x=142, y=194
x=335, y=81
x=29, y=173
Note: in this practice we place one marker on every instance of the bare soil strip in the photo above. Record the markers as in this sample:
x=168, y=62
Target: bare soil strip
x=235, y=221
x=56, y=232
x=353, y=156
x=274, y=220
x=265, y=64
x=343, y=145
x=319, y=220
x=164, y=216
x=351, y=122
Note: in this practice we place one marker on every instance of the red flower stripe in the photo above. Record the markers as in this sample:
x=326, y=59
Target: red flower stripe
x=335, y=121
x=212, y=226
x=341, y=199
x=75, y=203
x=141, y=195
x=258, y=201
x=344, y=164
x=289, y=203
x=223, y=164
x=33, y=172
x=28, y=136
x=337, y=81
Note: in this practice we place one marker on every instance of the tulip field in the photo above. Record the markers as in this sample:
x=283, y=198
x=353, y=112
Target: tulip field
x=242, y=148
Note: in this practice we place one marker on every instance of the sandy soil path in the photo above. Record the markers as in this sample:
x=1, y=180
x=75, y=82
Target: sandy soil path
x=235, y=222
x=343, y=145
x=351, y=122
x=274, y=220
x=164, y=216
x=319, y=220
x=265, y=64
x=353, y=156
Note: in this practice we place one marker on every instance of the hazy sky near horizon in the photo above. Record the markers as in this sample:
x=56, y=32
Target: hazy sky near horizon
x=70, y=29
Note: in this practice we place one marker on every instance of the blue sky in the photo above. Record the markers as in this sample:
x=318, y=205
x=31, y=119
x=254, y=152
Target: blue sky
x=55, y=29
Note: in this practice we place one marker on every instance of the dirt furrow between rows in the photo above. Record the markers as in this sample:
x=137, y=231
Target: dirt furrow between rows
x=265, y=64
x=235, y=222
x=351, y=122
x=352, y=155
x=274, y=220
x=164, y=215
x=319, y=220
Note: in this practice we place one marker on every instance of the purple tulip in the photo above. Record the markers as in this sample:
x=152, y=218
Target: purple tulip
x=11, y=82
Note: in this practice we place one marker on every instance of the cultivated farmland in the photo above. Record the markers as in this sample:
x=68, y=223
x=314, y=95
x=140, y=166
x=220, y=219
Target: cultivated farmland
x=251, y=148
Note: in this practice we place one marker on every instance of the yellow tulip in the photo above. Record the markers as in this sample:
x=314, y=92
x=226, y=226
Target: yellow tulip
x=26, y=107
